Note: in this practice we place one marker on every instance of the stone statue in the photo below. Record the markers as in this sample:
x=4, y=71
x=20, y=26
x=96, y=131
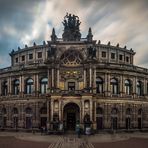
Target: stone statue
x=51, y=52
x=71, y=28
x=91, y=52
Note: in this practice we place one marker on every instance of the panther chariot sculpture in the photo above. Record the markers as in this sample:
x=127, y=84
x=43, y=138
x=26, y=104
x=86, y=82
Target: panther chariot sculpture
x=71, y=28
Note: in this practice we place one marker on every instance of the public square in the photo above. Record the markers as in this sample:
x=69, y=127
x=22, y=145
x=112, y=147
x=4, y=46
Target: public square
x=30, y=140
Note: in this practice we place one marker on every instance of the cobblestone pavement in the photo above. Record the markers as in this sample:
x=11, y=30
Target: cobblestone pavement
x=71, y=141
x=104, y=140
x=130, y=143
x=12, y=142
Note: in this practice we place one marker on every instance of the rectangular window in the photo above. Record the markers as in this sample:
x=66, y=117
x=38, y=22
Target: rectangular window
x=16, y=60
x=120, y=57
x=30, y=56
x=71, y=86
x=103, y=54
x=23, y=58
x=112, y=55
x=127, y=59
x=39, y=55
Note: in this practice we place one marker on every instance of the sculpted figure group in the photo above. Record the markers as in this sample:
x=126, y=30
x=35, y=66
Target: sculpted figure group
x=71, y=22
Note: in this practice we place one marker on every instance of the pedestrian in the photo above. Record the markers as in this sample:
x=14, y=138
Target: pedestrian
x=78, y=129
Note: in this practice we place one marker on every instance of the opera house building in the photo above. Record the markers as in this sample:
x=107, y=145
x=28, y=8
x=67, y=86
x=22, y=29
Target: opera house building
x=73, y=79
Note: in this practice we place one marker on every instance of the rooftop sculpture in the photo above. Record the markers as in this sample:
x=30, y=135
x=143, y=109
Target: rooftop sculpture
x=71, y=28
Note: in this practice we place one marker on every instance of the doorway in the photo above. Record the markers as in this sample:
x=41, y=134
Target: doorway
x=71, y=115
x=128, y=123
x=114, y=123
x=28, y=122
x=139, y=123
x=99, y=123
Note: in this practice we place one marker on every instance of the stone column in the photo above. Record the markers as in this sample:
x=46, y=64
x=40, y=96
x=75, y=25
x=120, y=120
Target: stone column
x=20, y=85
x=135, y=87
x=58, y=75
x=121, y=85
x=34, y=82
x=37, y=83
x=94, y=79
x=105, y=88
x=84, y=78
x=23, y=85
x=48, y=78
x=52, y=73
x=105, y=116
x=9, y=86
x=95, y=106
x=120, y=115
x=9, y=121
x=51, y=107
x=48, y=114
x=90, y=77
x=82, y=117
x=108, y=83
x=91, y=108
x=60, y=110
x=135, y=115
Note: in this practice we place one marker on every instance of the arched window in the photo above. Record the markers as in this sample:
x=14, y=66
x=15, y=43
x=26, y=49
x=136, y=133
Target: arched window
x=139, y=88
x=114, y=86
x=5, y=88
x=29, y=86
x=127, y=85
x=99, y=85
x=16, y=87
x=44, y=85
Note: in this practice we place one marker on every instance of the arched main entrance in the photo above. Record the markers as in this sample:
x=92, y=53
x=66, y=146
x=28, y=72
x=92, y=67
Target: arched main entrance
x=71, y=115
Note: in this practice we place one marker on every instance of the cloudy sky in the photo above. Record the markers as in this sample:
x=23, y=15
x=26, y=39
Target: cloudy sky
x=118, y=21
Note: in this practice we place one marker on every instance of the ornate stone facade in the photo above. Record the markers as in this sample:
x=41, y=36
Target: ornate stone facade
x=71, y=79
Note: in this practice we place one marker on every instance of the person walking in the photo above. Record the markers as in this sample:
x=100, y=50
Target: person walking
x=78, y=128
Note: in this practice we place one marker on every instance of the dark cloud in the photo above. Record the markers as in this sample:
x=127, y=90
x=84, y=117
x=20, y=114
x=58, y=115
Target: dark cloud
x=16, y=18
x=26, y=21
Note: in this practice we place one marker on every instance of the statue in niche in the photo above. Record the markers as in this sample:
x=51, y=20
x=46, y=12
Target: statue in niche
x=91, y=52
x=51, y=52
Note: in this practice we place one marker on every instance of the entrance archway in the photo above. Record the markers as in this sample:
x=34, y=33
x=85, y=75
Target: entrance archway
x=71, y=115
